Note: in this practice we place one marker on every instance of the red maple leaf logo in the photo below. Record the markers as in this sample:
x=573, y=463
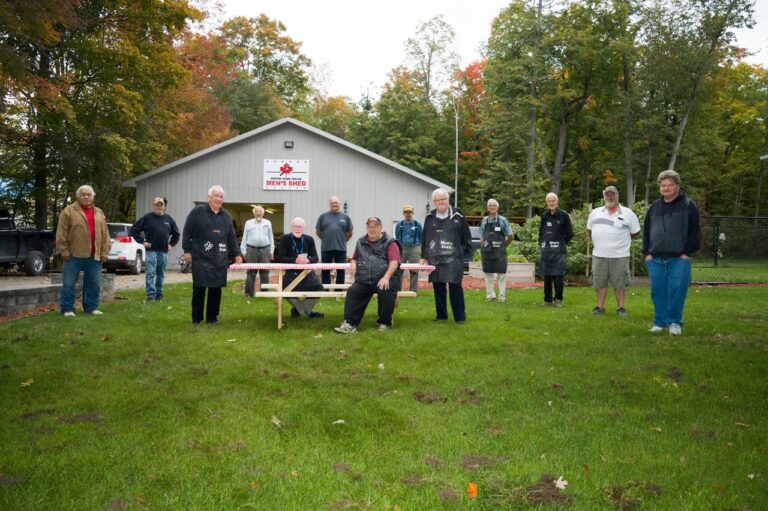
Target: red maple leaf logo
x=285, y=169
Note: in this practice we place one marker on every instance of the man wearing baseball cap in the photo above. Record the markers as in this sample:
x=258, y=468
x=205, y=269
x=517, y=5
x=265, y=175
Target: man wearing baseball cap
x=374, y=266
x=408, y=232
x=158, y=232
x=612, y=229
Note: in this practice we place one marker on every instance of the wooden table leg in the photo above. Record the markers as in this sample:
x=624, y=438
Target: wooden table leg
x=280, y=299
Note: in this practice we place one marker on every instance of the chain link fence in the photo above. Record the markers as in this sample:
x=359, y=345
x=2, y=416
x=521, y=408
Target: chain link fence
x=734, y=249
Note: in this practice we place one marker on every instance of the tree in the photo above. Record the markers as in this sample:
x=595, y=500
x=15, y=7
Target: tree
x=430, y=53
x=76, y=77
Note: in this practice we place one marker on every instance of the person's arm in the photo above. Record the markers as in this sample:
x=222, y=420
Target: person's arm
x=62, y=235
x=568, y=229
x=394, y=257
x=106, y=242
x=693, y=240
x=137, y=230
x=186, y=236
x=271, y=241
x=311, y=249
x=175, y=235
x=232, y=248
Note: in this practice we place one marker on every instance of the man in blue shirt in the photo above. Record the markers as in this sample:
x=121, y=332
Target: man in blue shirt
x=158, y=232
x=408, y=233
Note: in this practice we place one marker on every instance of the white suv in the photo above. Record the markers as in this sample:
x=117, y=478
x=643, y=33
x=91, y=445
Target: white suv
x=125, y=252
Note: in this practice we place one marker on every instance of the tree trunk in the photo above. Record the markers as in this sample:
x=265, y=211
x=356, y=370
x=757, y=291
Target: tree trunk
x=39, y=148
x=532, y=115
x=562, y=142
x=628, y=174
x=648, y=169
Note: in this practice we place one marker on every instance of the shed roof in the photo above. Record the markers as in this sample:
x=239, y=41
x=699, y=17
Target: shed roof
x=131, y=183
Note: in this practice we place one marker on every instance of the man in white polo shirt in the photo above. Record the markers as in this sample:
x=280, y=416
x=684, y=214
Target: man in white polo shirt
x=612, y=228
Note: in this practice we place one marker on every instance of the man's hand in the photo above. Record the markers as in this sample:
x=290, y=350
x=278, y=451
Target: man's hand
x=147, y=244
x=423, y=262
x=648, y=257
x=352, y=267
x=383, y=283
x=188, y=257
x=238, y=260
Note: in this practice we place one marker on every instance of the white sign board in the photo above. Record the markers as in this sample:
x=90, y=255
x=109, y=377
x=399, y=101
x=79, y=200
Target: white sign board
x=286, y=175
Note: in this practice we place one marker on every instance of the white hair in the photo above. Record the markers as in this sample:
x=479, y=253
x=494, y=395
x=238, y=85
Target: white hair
x=440, y=192
x=298, y=221
x=85, y=187
x=552, y=194
x=215, y=188
x=256, y=208
x=492, y=201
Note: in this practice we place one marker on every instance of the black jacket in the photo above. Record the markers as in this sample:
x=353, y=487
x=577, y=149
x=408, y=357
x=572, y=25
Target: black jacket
x=210, y=238
x=454, y=230
x=159, y=230
x=672, y=229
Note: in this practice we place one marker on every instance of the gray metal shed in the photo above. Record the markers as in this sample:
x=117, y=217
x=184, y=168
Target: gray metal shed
x=367, y=183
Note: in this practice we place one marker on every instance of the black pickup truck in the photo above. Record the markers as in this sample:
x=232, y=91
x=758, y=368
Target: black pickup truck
x=30, y=249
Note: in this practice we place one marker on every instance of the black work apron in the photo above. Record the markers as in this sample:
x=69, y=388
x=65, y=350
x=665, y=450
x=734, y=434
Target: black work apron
x=445, y=252
x=210, y=254
x=493, y=251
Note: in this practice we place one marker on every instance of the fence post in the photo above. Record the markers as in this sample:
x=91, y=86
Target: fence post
x=715, y=242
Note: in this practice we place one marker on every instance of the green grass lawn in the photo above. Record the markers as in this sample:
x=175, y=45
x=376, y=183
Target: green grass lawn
x=139, y=409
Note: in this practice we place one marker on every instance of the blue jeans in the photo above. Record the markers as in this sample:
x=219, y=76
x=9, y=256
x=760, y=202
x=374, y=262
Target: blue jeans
x=155, y=272
x=670, y=277
x=70, y=270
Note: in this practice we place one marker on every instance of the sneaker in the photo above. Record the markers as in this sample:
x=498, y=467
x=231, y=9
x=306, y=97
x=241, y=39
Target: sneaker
x=558, y=303
x=346, y=328
x=69, y=314
x=96, y=312
x=490, y=298
x=502, y=299
x=295, y=313
x=150, y=299
x=597, y=311
x=548, y=304
x=655, y=329
x=675, y=329
x=621, y=311
x=159, y=298
x=383, y=327
x=316, y=315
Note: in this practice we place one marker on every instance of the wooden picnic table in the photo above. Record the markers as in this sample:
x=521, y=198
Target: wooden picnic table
x=332, y=290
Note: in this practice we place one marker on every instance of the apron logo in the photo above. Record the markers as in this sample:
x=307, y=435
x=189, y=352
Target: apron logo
x=208, y=246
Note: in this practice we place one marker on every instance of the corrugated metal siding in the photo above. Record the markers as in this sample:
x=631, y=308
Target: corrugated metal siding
x=369, y=187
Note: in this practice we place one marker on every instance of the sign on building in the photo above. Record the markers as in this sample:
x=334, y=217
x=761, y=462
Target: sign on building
x=286, y=174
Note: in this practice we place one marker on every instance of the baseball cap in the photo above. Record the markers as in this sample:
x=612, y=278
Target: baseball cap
x=407, y=208
x=374, y=219
x=611, y=189
x=158, y=199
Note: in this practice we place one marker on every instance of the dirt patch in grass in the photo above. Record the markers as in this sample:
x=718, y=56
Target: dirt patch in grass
x=341, y=467
x=470, y=397
x=413, y=480
x=429, y=397
x=544, y=492
x=448, y=494
x=494, y=430
x=699, y=434
x=10, y=480
x=117, y=505
x=630, y=496
x=344, y=504
x=42, y=430
x=37, y=413
x=474, y=462
x=87, y=418
x=674, y=373
x=433, y=462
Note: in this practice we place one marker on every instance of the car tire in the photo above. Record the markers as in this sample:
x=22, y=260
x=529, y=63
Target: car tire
x=34, y=264
x=135, y=268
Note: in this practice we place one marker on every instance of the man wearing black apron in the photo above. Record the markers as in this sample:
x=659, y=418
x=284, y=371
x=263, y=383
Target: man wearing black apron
x=445, y=242
x=495, y=235
x=555, y=232
x=209, y=240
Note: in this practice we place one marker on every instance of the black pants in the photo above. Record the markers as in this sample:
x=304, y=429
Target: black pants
x=457, y=300
x=549, y=282
x=198, y=300
x=359, y=295
x=333, y=256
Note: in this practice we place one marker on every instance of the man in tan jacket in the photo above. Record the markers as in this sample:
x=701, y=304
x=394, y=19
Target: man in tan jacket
x=82, y=238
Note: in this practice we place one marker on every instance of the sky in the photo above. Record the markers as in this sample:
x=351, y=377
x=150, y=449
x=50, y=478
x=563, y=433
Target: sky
x=356, y=43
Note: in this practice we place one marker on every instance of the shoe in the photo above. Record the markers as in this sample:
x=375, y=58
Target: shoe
x=675, y=329
x=502, y=299
x=96, y=312
x=383, y=327
x=316, y=315
x=597, y=311
x=295, y=313
x=150, y=299
x=346, y=328
x=69, y=314
x=621, y=311
x=249, y=295
x=460, y=321
x=655, y=329
x=548, y=304
x=440, y=319
x=490, y=298
x=159, y=298
x=214, y=322
x=558, y=303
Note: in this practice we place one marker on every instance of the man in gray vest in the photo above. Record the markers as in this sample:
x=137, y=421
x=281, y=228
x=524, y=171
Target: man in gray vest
x=374, y=265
